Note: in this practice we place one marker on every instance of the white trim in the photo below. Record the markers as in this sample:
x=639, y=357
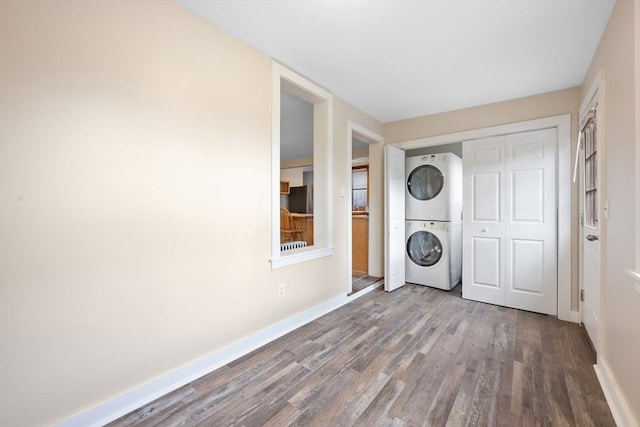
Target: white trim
x=620, y=409
x=544, y=123
x=369, y=134
x=348, y=203
x=275, y=160
x=306, y=89
x=139, y=396
x=563, y=124
x=591, y=95
x=564, y=219
x=294, y=257
x=329, y=173
x=375, y=139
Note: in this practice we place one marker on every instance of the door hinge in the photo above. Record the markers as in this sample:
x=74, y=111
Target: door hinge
x=581, y=219
x=582, y=295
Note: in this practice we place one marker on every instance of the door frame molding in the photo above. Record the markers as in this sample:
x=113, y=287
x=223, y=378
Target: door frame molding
x=370, y=137
x=564, y=238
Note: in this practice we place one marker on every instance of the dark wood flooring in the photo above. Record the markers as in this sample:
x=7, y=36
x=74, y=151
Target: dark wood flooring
x=416, y=356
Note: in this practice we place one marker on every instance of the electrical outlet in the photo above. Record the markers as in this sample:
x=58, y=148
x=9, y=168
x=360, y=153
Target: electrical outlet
x=281, y=290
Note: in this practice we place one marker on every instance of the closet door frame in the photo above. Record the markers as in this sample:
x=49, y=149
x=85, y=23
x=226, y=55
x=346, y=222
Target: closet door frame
x=566, y=286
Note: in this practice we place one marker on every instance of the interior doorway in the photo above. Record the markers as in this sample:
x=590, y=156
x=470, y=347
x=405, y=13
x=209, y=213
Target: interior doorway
x=363, y=206
x=420, y=249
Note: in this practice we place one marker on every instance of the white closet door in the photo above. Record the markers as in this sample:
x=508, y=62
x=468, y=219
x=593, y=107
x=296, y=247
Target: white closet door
x=510, y=232
x=483, y=225
x=531, y=258
x=394, y=256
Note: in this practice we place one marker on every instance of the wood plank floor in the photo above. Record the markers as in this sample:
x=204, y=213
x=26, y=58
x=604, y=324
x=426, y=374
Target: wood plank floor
x=416, y=356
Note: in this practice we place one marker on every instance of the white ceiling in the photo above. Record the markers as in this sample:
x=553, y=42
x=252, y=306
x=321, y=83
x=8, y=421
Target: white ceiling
x=397, y=59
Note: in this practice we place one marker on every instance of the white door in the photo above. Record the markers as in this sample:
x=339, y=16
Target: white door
x=483, y=227
x=394, y=257
x=510, y=255
x=531, y=222
x=590, y=292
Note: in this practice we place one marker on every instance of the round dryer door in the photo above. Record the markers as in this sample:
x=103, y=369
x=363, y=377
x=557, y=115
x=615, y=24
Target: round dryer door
x=424, y=248
x=425, y=182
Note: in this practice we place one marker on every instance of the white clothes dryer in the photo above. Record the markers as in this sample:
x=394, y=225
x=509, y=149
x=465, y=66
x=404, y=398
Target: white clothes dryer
x=434, y=253
x=433, y=189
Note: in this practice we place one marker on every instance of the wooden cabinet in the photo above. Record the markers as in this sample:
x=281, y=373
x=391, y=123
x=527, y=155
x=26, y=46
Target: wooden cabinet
x=360, y=243
x=284, y=187
x=308, y=230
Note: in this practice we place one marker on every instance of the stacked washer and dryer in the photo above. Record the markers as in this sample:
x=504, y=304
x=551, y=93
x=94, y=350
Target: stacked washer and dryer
x=433, y=198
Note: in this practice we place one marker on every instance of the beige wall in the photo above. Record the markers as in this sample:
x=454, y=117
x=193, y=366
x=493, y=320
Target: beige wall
x=129, y=134
x=620, y=325
x=360, y=152
x=533, y=107
x=126, y=132
x=517, y=110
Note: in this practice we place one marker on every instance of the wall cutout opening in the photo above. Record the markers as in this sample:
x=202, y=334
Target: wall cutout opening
x=301, y=164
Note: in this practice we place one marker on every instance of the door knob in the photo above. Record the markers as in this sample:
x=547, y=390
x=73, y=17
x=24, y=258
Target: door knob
x=592, y=237
x=484, y=230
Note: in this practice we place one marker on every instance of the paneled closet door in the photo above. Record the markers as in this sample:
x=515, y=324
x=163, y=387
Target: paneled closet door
x=510, y=232
x=483, y=273
x=531, y=246
x=394, y=253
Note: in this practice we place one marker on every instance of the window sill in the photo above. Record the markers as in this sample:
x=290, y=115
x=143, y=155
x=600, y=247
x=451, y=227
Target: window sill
x=299, y=257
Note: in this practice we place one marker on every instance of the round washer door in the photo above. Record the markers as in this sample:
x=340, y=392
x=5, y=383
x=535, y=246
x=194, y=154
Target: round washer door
x=424, y=248
x=425, y=182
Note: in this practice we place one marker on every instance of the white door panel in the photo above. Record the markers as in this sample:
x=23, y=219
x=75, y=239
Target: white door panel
x=527, y=195
x=487, y=154
x=486, y=197
x=527, y=266
x=591, y=285
x=486, y=261
x=394, y=272
x=483, y=228
x=510, y=231
x=531, y=221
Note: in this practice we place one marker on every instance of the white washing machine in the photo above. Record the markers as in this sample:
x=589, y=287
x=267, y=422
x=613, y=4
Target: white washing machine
x=434, y=253
x=433, y=189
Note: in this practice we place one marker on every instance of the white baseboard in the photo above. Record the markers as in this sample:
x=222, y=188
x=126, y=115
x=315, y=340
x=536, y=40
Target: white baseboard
x=129, y=401
x=620, y=409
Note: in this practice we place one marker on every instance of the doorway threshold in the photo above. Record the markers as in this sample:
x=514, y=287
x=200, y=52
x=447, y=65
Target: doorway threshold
x=361, y=282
